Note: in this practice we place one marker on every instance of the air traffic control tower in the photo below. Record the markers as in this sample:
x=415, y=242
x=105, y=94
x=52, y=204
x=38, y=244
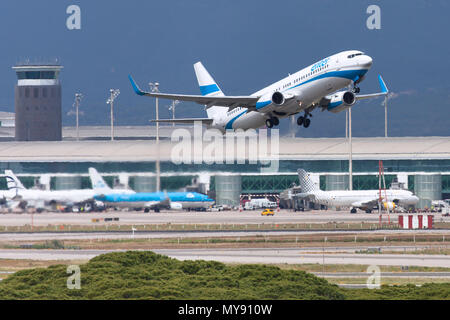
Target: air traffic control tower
x=38, y=103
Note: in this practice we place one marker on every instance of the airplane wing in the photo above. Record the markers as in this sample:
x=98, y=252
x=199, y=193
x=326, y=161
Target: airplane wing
x=368, y=203
x=384, y=91
x=152, y=204
x=309, y=196
x=159, y=204
x=221, y=101
x=185, y=120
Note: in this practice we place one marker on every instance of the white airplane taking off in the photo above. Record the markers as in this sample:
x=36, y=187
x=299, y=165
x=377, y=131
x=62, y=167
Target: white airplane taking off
x=315, y=86
x=361, y=199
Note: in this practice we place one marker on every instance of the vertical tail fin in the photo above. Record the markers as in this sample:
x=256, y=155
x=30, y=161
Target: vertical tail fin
x=12, y=181
x=306, y=184
x=98, y=184
x=208, y=87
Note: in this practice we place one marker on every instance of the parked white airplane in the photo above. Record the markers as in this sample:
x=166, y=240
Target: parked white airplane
x=41, y=198
x=361, y=199
x=312, y=87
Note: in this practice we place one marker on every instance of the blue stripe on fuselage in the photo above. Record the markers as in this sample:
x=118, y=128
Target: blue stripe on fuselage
x=230, y=123
x=334, y=105
x=262, y=104
x=154, y=196
x=347, y=74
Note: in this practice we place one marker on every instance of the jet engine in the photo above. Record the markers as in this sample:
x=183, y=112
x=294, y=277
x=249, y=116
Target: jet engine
x=341, y=101
x=176, y=206
x=274, y=100
x=389, y=205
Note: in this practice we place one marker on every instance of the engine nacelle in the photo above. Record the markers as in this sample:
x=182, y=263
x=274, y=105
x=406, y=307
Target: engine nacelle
x=176, y=206
x=273, y=100
x=278, y=98
x=389, y=205
x=341, y=101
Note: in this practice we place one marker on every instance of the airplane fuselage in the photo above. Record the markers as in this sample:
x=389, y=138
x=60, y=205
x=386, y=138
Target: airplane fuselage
x=309, y=86
x=345, y=198
x=187, y=200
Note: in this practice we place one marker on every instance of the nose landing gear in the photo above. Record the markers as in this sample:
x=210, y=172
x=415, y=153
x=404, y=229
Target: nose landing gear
x=356, y=89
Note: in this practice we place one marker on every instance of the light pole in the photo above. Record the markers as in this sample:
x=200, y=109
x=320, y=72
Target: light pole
x=350, y=168
x=172, y=108
x=385, y=116
x=113, y=93
x=76, y=104
x=154, y=88
x=78, y=97
x=346, y=123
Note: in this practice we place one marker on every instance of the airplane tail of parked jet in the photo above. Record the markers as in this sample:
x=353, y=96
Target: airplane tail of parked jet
x=12, y=181
x=306, y=184
x=98, y=184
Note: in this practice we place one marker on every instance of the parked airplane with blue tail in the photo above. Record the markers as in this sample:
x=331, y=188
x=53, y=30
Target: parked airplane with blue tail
x=315, y=86
x=146, y=200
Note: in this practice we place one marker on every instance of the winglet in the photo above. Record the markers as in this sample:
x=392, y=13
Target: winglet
x=383, y=87
x=135, y=86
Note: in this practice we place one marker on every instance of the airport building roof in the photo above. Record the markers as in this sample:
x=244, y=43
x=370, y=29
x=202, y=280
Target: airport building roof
x=402, y=148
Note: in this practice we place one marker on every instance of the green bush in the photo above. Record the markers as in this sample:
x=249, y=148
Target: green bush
x=146, y=275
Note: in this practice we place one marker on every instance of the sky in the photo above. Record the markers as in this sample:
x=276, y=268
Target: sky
x=245, y=45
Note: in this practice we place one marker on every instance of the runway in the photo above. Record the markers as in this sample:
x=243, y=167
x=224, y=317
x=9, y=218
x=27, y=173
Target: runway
x=128, y=234
x=267, y=256
x=200, y=218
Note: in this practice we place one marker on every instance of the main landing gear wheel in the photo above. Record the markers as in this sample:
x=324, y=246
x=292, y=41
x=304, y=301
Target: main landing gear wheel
x=269, y=123
x=306, y=122
x=276, y=121
x=356, y=89
x=353, y=210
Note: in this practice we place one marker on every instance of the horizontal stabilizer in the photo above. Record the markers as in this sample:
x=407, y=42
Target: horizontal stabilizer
x=383, y=88
x=185, y=120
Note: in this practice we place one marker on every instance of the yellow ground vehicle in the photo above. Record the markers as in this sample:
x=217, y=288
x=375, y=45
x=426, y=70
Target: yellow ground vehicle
x=267, y=212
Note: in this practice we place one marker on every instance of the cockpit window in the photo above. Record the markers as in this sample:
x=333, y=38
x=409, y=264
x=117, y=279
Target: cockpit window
x=354, y=55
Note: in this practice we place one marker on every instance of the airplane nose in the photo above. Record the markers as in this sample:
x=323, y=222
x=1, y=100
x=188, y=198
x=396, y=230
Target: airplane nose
x=365, y=61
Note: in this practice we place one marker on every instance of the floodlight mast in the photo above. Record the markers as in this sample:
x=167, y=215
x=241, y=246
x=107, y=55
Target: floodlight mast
x=154, y=87
x=78, y=97
x=172, y=108
x=385, y=116
x=350, y=164
x=113, y=94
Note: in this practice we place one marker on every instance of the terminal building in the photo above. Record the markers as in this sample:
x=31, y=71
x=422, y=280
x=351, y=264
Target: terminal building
x=38, y=103
x=420, y=164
